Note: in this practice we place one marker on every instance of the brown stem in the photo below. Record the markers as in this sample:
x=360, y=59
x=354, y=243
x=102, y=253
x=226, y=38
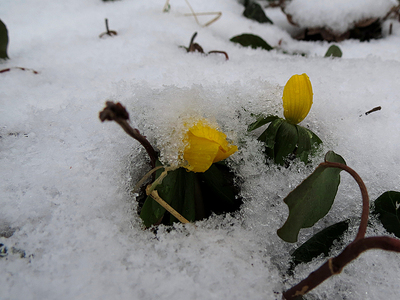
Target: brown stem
x=23, y=69
x=222, y=52
x=335, y=265
x=191, y=41
x=116, y=112
x=108, y=32
x=365, y=198
x=375, y=108
x=107, y=28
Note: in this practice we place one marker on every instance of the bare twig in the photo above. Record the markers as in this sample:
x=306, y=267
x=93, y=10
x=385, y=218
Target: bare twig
x=193, y=47
x=372, y=110
x=217, y=13
x=222, y=52
x=116, y=112
x=108, y=32
x=394, y=10
x=194, y=14
x=19, y=68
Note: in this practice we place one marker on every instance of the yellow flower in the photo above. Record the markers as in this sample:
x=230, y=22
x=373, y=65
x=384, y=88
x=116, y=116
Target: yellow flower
x=297, y=98
x=205, y=146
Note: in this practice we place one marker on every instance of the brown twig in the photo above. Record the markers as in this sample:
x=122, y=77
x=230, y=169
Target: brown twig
x=276, y=3
x=372, y=110
x=19, y=68
x=116, y=112
x=222, y=52
x=108, y=32
x=193, y=47
x=360, y=244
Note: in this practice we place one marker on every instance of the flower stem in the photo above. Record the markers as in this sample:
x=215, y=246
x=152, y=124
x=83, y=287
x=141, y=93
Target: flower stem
x=335, y=265
x=116, y=112
x=156, y=197
x=365, y=198
x=360, y=244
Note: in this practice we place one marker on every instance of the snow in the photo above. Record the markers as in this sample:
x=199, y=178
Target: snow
x=66, y=177
x=337, y=15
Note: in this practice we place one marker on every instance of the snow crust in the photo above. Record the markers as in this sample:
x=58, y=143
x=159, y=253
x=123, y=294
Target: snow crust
x=337, y=15
x=67, y=214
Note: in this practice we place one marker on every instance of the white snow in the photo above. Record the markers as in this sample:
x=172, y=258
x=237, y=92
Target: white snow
x=66, y=177
x=337, y=15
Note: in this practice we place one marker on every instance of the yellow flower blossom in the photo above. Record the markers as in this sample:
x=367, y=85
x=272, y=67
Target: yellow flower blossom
x=205, y=145
x=297, y=98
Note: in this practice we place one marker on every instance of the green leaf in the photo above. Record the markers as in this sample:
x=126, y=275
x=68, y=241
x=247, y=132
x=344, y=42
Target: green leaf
x=388, y=208
x=333, y=51
x=320, y=243
x=261, y=121
x=251, y=40
x=285, y=142
x=255, y=12
x=193, y=195
x=177, y=189
x=183, y=199
x=307, y=141
x=3, y=40
x=218, y=189
x=268, y=136
x=312, y=199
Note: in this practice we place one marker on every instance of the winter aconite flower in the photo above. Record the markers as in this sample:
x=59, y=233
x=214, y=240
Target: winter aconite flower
x=297, y=98
x=205, y=145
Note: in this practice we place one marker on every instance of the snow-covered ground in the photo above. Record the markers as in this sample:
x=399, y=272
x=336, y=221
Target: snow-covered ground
x=66, y=177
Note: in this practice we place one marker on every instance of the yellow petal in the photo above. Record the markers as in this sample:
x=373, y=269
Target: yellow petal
x=222, y=153
x=203, y=130
x=205, y=145
x=297, y=98
x=199, y=153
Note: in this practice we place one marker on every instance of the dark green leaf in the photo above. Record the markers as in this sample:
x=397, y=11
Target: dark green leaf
x=320, y=243
x=251, y=40
x=218, y=189
x=3, y=40
x=183, y=200
x=177, y=189
x=307, y=140
x=152, y=212
x=285, y=142
x=255, y=12
x=333, y=51
x=193, y=195
x=388, y=208
x=268, y=136
x=312, y=199
x=261, y=121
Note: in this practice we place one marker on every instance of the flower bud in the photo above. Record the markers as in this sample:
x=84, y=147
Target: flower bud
x=297, y=98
